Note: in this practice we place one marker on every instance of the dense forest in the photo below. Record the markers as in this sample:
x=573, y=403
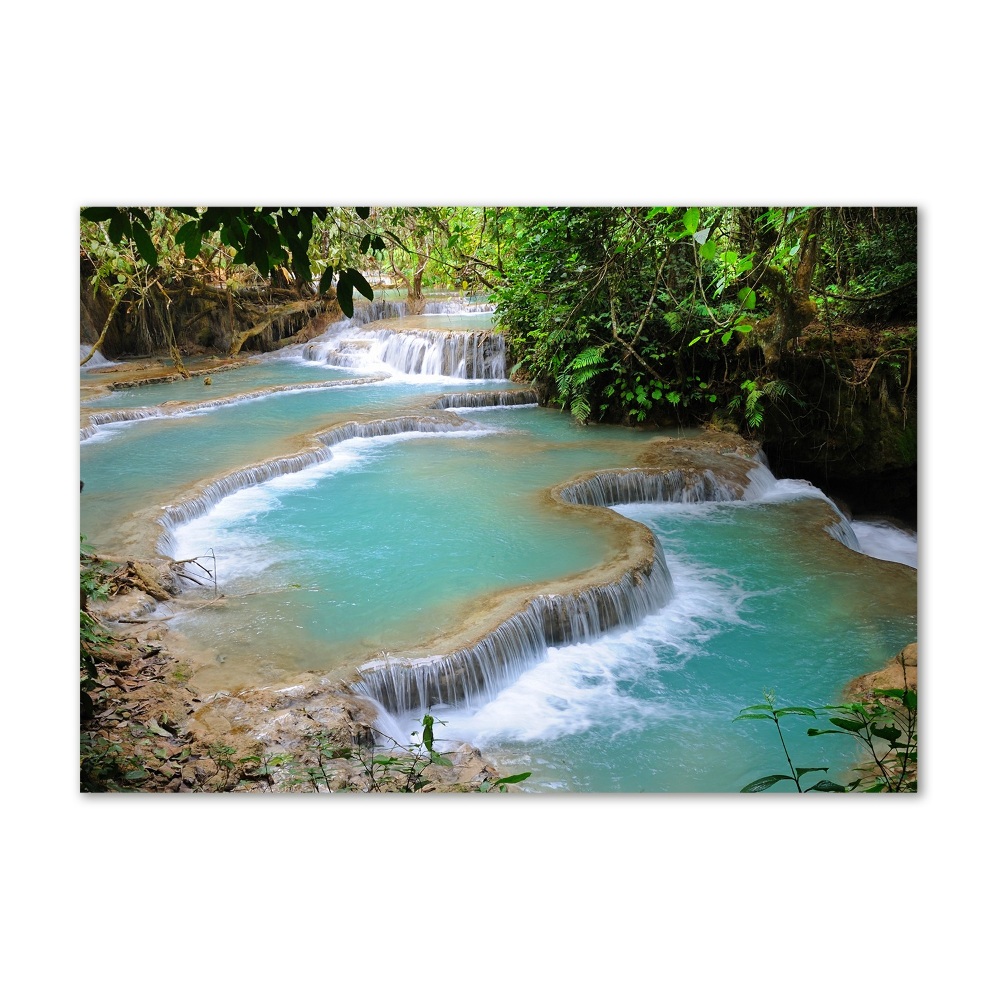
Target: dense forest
x=794, y=326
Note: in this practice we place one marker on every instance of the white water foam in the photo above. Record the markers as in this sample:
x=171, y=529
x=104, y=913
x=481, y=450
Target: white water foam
x=886, y=541
x=574, y=688
x=97, y=361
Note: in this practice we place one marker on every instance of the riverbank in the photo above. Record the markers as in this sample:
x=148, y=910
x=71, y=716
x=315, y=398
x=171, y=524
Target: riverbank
x=145, y=729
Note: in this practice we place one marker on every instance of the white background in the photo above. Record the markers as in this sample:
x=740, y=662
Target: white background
x=447, y=103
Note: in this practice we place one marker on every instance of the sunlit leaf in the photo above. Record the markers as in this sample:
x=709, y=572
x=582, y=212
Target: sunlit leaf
x=512, y=779
x=764, y=783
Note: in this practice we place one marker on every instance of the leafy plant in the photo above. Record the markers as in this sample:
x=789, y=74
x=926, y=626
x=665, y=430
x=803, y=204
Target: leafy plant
x=93, y=635
x=751, y=399
x=388, y=767
x=885, y=727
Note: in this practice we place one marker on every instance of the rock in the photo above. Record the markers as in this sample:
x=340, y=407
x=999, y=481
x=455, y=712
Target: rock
x=890, y=676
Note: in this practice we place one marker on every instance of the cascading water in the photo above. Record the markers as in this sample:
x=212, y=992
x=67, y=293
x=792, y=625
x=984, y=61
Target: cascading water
x=97, y=361
x=384, y=530
x=482, y=671
x=457, y=306
x=466, y=355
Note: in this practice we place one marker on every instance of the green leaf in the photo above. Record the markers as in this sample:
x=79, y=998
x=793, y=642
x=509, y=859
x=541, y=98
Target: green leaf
x=890, y=733
x=512, y=779
x=695, y=341
x=345, y=294
x=117, y=226
x=795, y=711
x=726, y=337
x=888, y=693
x=763, y=783
x=190, y=235
x=851, y=725
x=326, y=279
x=360, y=283
x=753, y=715
x=826, y=786
x=691, y=217
x=97, y=214
x=144, y=244
x=799, y=771
x=747, y=298
x=708, y=250
x=439, y=758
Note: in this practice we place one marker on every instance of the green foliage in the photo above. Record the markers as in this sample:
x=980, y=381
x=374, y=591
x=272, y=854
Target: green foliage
x=106, y=766
x=680, y=301
x=93, y=635
x=749, y=402
x=271, y=240
x=885, y=728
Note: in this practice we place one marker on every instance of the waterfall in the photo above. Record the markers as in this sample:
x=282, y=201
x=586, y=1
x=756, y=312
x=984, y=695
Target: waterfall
x=366, y=312
x=614, y=487
x=455, y=353
x=198, y=406
x=486, y=397
x=455, y=305
x=97, y=361
x=481, y=671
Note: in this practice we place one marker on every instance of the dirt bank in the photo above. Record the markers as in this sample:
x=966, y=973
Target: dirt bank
x=145, y=729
